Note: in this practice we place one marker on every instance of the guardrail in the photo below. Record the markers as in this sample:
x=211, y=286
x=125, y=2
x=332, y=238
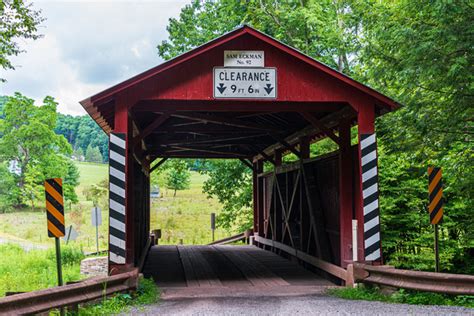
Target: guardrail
x=68, y=295
x=447, y=283
x=328, y=267
x=231, y=239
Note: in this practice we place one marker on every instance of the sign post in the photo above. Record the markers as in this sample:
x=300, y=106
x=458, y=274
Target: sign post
x=55, y=217
x=213, y=224
x=435, y=206
x=96, y=221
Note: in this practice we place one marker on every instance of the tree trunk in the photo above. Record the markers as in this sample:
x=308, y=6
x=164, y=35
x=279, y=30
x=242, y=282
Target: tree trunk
x=174, y=195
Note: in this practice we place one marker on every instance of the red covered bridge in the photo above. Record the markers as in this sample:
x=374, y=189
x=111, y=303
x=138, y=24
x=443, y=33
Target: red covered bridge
x=247, y=96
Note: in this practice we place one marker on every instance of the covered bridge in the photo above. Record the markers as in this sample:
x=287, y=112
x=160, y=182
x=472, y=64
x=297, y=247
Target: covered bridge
x=248, y=96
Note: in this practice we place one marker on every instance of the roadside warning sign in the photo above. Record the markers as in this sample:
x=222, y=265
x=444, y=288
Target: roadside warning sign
x=236, y=83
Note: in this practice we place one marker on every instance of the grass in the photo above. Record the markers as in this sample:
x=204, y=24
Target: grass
x=371, y=293
x=186, y=216
x=146, y=293
x=23, y=271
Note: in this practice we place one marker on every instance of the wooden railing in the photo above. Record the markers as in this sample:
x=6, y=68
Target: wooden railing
x=242, y=236
x=328, y=267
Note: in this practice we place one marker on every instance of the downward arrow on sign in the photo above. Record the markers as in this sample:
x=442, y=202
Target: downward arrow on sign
x=221, y=88
x=268, y=88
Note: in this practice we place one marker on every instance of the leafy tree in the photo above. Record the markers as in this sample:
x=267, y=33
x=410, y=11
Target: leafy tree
x=9, y=191
x=178, y=175
x=321, y=28
x=18, y=21
x=93, y=154
x=82, y=131
x=33, y=189
x=28, y=139
x=71, y=181
x=78, y=154
x=231, y=182
x=97, y=193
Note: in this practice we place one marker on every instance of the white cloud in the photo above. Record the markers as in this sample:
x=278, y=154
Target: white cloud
x=87, y=47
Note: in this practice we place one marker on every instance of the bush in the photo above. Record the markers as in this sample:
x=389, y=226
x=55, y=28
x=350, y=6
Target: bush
x=23, y=271
x=69, y=255
x=146, y=293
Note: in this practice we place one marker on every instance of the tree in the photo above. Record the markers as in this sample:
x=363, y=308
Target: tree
x=33, y=189
x=71, y=181
x=82, y=131
x=320, y=28
x=423, y=56
x=9, y=191
x=93, y=154
x=97, y=193
x=178, y=175
x=29, y=139
x=78, y=154
x=18, y=20
x=231, y=182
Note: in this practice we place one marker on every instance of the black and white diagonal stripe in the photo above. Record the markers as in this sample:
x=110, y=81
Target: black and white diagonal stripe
x=370, y=196
x=117, y=198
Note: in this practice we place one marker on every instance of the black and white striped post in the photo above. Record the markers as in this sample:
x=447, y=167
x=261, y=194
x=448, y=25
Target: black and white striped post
x=370, y=197
x=117, y=210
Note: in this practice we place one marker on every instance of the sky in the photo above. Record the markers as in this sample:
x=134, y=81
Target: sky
x=88, y=46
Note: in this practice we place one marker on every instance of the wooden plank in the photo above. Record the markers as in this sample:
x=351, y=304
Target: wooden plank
x=189, y=274
x=253, y=270
x=226, y=271
x=205, y=274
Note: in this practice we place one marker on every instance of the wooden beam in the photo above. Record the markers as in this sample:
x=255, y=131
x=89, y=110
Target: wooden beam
x=159, y=163
x=316, y=123
x=287, y=145
x=224, y=121
x=212, y=140
x=180, y=148
x=267, y=157
x=205, y=129
x=150, y=128
x=159, y=105
x=199, y=155
x=312, y=132
x=245, y=162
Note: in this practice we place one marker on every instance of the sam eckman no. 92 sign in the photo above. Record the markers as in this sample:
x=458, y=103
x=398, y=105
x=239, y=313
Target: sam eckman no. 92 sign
x=236, y=83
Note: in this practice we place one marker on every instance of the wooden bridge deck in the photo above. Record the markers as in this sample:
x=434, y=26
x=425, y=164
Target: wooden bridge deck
x=224, y=266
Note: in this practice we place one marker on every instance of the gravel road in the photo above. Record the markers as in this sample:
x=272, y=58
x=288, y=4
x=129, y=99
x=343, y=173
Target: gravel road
x=313, y=304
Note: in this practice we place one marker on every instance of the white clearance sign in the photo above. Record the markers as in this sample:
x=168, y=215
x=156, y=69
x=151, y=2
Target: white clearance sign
x=246, y=83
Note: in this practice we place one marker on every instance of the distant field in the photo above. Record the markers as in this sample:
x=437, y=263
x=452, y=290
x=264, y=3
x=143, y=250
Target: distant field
x=30, y=225
x=90, y=173
x=186, y=216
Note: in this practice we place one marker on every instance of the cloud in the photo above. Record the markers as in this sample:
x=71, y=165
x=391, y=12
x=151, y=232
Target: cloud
x=89, y=46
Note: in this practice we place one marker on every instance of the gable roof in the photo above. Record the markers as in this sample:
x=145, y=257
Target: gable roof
x=93, y=103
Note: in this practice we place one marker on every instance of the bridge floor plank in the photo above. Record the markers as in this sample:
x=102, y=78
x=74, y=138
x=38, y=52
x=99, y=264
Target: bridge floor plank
x=225, y=266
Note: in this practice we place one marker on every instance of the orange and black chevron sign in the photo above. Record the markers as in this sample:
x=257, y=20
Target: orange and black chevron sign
x=54, y=207
x=435, y=188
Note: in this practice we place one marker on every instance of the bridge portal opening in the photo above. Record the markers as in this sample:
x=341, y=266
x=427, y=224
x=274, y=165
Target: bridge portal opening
x=201, y=105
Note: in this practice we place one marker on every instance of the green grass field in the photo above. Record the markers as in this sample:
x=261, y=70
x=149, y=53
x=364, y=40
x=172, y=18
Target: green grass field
x=186, y=216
